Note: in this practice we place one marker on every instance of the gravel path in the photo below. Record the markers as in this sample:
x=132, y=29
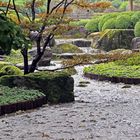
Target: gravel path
x=102, y=111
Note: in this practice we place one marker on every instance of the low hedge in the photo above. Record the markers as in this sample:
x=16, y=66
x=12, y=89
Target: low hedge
x=57, y=86
x=123, y=22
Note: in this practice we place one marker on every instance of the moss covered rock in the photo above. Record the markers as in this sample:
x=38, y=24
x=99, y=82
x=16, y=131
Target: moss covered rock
x=66, y=48
x=57, y=86
x=112, y=39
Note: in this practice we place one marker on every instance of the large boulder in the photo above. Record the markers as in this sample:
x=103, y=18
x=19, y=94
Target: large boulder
x=136, y=43
x=82, y=43
x=112, y=39
x=57, y=86
x=46, y=58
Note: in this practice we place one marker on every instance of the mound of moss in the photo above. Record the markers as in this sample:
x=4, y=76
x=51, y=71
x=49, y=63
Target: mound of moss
x=8, y=69
x=15, y=95
x=66, y=48
x=57, y=86
x=129, y=68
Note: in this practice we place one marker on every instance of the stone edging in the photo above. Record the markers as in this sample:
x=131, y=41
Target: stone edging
x=113, y=79
x=6, y=109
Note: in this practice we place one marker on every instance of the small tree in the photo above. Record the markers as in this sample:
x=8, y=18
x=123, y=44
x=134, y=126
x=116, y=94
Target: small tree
x=41, y=25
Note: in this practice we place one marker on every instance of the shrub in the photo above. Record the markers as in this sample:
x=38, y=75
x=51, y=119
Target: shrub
x=135, y=18
x=10, y=70
x=137, y=29
x=73, y=23
x=109, y=24
x=83, y=22
x=105, y=18
x=123, y=6
x=92, y=25
x=116, y=3
x=123, y=22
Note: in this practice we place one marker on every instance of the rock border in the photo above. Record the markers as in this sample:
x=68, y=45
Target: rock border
x=113, y=79
x=25, y=105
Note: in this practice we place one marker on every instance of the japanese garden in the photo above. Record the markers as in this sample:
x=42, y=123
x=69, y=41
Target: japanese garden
x=69, y=69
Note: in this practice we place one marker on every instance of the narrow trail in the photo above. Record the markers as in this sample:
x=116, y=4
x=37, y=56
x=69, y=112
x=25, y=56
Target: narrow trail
x=102, y=111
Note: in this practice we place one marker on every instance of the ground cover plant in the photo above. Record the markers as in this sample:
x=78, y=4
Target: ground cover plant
x=16, y=95
x=129, y=68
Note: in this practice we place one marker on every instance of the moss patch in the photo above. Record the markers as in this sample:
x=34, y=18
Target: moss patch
x=66, y=48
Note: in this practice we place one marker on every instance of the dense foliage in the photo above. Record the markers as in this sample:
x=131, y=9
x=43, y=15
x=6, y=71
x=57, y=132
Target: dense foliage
x=11, y=36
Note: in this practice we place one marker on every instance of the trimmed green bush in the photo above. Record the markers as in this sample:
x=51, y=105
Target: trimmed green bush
x=123, y=22
x=105, y=18
x=66, y=48
x=57, y=86
x=83, y=22
x=137, y=29
x=92, y=25
x=135, y=18
x=109, y=24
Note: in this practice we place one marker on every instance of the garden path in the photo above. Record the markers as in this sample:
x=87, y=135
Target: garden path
x=101, y=111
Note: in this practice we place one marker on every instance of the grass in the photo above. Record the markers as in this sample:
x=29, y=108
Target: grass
x=15, y=95
x=129, y=68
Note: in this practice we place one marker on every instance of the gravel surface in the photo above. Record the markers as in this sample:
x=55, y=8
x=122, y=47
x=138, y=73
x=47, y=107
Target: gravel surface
x=102, y=111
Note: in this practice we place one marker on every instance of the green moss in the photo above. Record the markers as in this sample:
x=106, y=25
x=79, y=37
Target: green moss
x=66, y=48
x=11, y=70
x=129, y=68
x=16, y=95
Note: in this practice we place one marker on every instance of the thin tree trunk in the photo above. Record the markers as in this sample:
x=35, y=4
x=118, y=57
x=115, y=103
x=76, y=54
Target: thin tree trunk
x=25, y=57
x=131, y=5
